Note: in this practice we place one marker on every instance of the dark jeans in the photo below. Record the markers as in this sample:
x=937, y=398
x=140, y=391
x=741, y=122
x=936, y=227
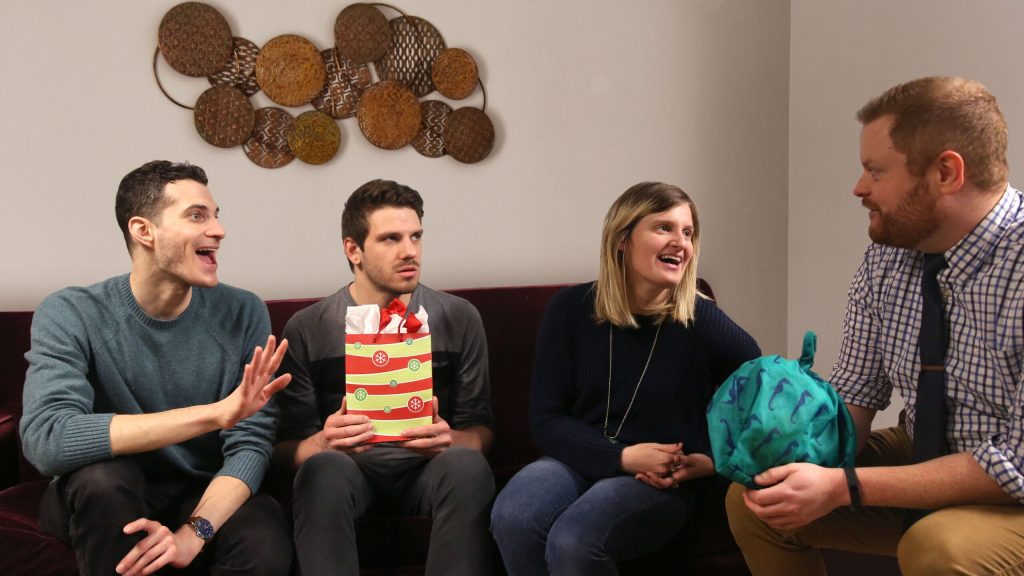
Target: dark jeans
x=551, y=520
x=333, y=489
x=88, y=508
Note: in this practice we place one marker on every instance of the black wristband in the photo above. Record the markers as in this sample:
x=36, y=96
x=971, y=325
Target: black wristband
x=853, y=484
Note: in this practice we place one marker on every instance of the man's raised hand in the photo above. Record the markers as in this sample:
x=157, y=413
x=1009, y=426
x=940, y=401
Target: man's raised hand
x=258, y=384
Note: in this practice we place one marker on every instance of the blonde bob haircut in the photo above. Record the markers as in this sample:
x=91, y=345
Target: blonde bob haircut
x=611, y=302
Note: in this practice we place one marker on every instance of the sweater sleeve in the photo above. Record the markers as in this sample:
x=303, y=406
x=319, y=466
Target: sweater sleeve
x=553, y=427
x=727, y=343
x=471, y=396
x=58, y=429
x=248, y=445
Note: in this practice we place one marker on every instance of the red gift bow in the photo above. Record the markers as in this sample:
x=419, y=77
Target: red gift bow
x=397, y=307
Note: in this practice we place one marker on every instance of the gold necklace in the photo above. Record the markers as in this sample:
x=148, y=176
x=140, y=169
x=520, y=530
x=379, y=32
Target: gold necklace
x=607, y=411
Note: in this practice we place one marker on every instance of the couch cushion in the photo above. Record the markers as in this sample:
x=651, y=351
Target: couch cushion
x=26, y=549
x=511, y=317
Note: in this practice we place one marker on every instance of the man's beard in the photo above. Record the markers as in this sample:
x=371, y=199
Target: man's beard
x=384, y=281
x=910, y=222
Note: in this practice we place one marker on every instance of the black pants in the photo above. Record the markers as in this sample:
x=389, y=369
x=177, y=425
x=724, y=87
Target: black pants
x=89, y=507
x=333, y=489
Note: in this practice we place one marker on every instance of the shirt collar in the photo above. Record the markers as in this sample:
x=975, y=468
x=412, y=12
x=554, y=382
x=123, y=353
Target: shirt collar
x=977, y=247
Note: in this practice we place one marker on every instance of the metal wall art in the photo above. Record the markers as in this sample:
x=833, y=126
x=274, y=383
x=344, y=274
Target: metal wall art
x=377, y=70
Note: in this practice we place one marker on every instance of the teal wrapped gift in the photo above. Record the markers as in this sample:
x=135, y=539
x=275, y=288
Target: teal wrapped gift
x=772, y=411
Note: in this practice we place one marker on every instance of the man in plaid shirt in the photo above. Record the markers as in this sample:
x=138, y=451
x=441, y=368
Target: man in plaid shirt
x=934, y=182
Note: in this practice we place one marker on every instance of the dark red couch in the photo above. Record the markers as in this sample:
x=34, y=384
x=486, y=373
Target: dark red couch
x=511, y=317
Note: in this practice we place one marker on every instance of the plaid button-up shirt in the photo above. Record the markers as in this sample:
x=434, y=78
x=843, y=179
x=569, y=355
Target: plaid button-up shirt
x=983, y=295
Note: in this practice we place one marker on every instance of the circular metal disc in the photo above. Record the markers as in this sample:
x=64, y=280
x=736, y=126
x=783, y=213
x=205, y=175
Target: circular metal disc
x=240, y=71
x=416, y=44
x=389, y=115
x=454, y=73
x=346, y=82
x=195, y=39
x=268, y=145
x=361, y=33
x=223, y=116
x=468, y=135
x=430, y=140
x=290, y=70
x=315, y=138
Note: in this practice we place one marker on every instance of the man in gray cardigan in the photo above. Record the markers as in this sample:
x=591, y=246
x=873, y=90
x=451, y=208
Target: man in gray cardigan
x=441, y=472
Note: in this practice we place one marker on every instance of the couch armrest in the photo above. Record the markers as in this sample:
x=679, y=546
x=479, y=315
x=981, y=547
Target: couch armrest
x=8, y=450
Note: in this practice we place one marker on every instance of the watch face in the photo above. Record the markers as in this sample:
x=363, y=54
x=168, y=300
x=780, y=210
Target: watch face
x=203, y=528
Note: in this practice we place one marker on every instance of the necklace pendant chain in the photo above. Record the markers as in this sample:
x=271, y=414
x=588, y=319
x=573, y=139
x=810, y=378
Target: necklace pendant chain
x=608, y=409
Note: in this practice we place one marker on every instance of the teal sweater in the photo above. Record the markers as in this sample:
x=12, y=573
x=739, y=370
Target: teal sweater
x=96, y=353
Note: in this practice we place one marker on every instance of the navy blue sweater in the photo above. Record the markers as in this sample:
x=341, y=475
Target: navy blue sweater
x=569, y=392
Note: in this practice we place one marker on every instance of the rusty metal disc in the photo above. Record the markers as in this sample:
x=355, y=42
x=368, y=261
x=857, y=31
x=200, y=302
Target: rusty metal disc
x=361, y=33
x=268, y=145
x=430, y=139
x=468, y=135
x=195, y=39
x=223, y=116
x=315, y=137
x=454, y=73
x=345, y=83
x=290, y=70
x=415, y=45
x=240, y=71
x=389, y=115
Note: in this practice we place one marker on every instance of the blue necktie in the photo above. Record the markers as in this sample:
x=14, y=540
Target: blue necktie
x=930, y=411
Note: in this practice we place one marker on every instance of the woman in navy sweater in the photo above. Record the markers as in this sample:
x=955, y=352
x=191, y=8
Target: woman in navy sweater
x=623, y=372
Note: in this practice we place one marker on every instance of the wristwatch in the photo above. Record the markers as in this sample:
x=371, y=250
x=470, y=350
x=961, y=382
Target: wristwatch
x=853, y=485
x=203, y=527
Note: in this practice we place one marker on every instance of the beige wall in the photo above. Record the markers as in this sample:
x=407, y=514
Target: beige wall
x=588, y=97
x=842, y=54
x=748, y=105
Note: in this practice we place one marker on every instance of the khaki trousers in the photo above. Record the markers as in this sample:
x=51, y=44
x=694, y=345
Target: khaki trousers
x=977, y=539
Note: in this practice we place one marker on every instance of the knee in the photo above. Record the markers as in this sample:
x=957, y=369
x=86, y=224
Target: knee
x=532, y=500
x=326, y=471
x=567, y=547
x=511, y=518
x=741, y=519
x=106, y=482
x=326, y=481
x=464, y=473
x=259, y=536
x=931, y=547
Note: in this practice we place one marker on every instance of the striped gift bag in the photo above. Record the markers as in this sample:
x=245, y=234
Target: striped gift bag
x=388, y=377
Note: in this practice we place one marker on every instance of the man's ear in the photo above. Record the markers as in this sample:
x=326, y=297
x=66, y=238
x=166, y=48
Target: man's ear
x=353, y=252
x=141, y=231
x=949, y=168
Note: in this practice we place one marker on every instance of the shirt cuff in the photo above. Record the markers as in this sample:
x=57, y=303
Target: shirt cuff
x=994, y=460
x=248, y=466
x=86, y=440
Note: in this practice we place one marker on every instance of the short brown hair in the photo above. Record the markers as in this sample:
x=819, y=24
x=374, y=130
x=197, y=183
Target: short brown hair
x=375, y=194
x=938, y=113
x=141, y=192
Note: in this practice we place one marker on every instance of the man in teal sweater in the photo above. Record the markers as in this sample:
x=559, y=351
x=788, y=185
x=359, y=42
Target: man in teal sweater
x=147, y=397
